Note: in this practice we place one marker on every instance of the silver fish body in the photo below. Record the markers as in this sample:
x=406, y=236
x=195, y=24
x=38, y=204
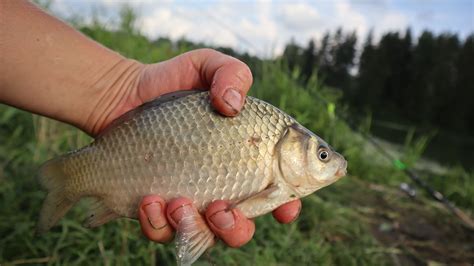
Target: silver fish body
x=182, y=148
x=177, y=146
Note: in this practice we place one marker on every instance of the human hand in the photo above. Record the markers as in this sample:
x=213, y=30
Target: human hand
x=159, y=219
x=228, y=80
x=82, y=83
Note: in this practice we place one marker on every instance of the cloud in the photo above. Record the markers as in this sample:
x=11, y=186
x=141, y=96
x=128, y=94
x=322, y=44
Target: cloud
x=163, y=21
x=311, y=20
x=349, y=18
x=393, y=21
x=298, y=16
x=260, y=27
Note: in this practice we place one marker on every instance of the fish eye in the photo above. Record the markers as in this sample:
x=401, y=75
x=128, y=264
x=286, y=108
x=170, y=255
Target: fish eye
x=323, y=155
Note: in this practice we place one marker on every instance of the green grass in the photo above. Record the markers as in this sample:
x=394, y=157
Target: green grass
x=344, y=224
x=121, y=242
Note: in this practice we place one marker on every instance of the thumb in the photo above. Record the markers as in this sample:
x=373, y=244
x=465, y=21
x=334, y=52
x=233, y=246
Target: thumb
x=229, y=86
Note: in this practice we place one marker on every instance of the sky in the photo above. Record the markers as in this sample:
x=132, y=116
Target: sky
x=264, y=27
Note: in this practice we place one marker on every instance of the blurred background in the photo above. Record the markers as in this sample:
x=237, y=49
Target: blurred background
x=390, y=84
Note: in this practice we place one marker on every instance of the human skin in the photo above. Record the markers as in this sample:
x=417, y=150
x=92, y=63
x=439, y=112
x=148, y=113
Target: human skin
x=50, y=69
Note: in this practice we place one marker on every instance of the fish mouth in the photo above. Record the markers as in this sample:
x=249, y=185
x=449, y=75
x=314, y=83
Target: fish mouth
x=342, y=171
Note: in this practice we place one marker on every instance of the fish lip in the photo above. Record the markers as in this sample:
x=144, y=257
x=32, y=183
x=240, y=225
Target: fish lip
x=342, y=171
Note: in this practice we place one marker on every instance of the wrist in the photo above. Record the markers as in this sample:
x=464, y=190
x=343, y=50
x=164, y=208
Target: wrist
x=113, y=94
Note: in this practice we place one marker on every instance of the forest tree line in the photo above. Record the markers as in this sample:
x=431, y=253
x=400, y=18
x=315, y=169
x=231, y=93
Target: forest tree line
x=428, y=81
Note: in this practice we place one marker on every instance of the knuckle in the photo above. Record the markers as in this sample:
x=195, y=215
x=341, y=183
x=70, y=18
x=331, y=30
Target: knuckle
x=151, y=198
x=207, y=51
x=244, y=74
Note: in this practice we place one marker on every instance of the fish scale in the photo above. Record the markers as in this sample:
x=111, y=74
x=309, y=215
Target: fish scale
x=146, y=154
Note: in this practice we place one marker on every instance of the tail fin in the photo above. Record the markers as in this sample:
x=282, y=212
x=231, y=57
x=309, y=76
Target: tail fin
x=53, y=178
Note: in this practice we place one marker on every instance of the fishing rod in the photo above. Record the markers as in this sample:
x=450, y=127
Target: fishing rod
x=438, y=196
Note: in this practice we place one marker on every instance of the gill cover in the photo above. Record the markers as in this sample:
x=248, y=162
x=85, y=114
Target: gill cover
x=293, y=159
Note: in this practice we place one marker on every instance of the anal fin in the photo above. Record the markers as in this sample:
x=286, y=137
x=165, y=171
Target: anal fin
x=99, y=214
x=192, y=239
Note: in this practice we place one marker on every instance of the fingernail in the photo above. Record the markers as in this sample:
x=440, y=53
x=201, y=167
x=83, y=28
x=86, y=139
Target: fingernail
x=178, y=214
x=223, y=219
x=153, y=213
x=233, y=99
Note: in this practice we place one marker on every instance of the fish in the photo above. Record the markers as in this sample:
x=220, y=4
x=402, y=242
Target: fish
x=178, y=146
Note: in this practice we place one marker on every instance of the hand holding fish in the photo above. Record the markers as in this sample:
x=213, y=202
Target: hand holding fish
x=62, y=74
x=228, y=80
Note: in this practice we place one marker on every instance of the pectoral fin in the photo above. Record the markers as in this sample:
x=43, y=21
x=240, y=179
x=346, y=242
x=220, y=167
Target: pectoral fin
x=193, y=238
x=262, y=195
x=263, y=202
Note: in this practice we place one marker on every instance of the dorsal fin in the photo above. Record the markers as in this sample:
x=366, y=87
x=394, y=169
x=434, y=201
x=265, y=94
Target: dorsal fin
x=167, y=97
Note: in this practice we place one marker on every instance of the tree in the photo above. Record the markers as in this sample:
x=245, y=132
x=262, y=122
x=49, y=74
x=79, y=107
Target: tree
x=369, y=81
x=423, y=93
x=405, y=74
x=343, y=55
x=336, y=58
x=445, y=78
x=464, y=89
x=324, y=57
x=292, y=55
x=308, y=61
x=128, y=19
